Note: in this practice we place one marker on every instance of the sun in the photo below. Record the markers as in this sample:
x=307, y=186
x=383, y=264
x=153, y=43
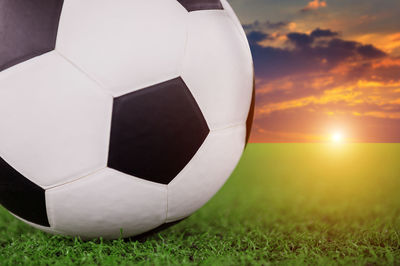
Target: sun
x=337, y=137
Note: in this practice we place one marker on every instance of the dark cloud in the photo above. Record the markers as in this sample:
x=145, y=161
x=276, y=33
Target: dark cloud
x=310, y=54
x=369, y=51
x=342, y=44
x=300, y=39
x=337, y=51
x=265, y=25
x=258, y=36
x=318, y=33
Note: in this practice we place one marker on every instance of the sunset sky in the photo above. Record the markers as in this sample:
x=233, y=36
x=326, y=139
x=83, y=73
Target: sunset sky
x=324, y=68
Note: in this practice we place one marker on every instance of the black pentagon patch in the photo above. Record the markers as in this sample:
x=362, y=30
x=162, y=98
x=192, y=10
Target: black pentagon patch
x=28, y=28
x=156, y=131
x=250, y=118
x=194, y=5
x=22, y=197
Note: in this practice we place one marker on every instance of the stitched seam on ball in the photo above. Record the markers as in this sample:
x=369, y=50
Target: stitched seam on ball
x=228, y=127
x=98, y=83
x=75, y=180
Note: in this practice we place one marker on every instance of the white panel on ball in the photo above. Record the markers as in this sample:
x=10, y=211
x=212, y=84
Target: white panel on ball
x=236, y=21
x=125, y=45
x=105, y=202
x=218, y=68
x=55, y=122
x=206, y=172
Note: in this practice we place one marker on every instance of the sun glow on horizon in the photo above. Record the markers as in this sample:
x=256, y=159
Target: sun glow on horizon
x=337, y=137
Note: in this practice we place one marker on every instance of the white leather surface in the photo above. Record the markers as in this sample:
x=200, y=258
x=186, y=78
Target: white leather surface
x=126, y=45
x=105, y=202
x=234, y=17
x=218, y=68
x=55, y=122
x=206, y=172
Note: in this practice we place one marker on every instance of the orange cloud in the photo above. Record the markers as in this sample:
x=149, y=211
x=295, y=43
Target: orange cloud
x=351, y=95
x=383, y=115
x=390, y=43
x=386, y=62
x=314, y=5
x=344, y=94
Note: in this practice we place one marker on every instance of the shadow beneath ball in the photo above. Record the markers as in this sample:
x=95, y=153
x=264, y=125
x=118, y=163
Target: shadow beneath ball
x=143, y=237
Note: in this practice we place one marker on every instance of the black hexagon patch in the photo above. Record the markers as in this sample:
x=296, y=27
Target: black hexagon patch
x=156, y=131
x=194, y=5
x=27, y=29
x=22, y=197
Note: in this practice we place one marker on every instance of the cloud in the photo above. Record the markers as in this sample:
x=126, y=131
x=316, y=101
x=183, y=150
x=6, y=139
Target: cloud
x=316, y=80
x=266, y=25
x=300, y=40
x=369, y=51
x=386, y=73
x=318, y=33
x=306, y=53
x=314, y=5
x=255, y=37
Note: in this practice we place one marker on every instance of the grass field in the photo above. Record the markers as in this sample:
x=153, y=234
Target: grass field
x=285, y=204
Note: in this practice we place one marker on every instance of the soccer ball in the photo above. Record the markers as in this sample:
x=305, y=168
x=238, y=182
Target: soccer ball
x=117, y=117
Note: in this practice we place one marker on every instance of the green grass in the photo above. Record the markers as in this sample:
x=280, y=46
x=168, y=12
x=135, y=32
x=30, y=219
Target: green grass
x=287, y=204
